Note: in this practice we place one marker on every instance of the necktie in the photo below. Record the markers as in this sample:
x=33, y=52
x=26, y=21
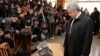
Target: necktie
x=70, y=28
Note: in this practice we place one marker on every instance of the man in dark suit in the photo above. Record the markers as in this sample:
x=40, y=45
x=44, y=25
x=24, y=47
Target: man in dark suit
x=95, y=15
x=78, y=37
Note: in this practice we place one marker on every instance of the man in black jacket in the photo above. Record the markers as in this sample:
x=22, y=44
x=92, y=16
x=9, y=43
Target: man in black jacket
x=78, y=37
x=95, y=17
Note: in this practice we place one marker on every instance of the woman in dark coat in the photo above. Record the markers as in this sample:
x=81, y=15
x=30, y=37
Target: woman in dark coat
x=23, y=43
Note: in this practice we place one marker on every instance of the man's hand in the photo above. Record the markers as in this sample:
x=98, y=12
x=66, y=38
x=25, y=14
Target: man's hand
x=17, y=31
x=39, y=47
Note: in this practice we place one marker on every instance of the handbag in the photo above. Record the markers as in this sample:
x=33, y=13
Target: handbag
x=44, y=52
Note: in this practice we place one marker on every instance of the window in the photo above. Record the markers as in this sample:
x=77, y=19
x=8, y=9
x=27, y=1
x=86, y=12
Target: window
x=89, y=4
x=53, y=2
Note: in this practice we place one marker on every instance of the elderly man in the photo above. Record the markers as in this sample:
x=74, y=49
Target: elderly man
x=78, y=37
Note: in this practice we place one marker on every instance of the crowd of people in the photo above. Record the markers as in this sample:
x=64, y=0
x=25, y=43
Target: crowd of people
x=40, y=17
x=43, y=20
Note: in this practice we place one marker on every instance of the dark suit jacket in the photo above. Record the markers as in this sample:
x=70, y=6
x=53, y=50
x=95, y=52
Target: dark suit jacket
x=79, y=41
x=40, y=18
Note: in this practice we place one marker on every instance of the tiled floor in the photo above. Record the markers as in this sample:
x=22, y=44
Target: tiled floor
x=95, y=49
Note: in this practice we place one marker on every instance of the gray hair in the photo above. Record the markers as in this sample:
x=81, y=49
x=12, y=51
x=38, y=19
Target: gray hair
x=73, y=6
